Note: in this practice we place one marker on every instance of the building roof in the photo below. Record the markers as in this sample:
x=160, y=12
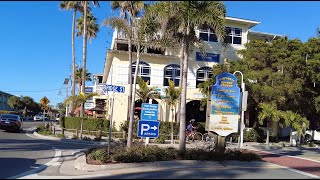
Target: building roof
x=263, y=34
x=251, y=23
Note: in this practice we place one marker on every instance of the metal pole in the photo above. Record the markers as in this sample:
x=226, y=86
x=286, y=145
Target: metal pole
x=147, y=138
x=242, y=112
x=110, y=126
x=66, y=98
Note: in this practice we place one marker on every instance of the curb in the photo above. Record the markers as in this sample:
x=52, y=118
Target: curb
x=46, y=137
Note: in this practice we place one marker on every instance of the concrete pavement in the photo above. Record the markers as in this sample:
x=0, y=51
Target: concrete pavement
x=73, y=165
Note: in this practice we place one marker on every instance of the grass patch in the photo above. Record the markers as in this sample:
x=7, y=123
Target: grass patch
x=140, y=153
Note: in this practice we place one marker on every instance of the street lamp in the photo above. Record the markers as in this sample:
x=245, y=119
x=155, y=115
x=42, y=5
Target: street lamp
x=242, y=110
x=66, y=81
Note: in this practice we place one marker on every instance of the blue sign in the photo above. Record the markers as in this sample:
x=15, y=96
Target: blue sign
x=208, y=57
x=118, y=89
x=148, y=129
x=88, y=90
x=225, y=95
x=149, y=112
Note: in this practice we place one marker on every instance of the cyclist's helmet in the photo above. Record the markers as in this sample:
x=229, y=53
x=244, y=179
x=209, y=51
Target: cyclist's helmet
x=192, y=120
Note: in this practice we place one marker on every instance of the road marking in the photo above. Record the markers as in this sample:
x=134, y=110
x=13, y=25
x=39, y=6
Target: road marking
x=32, y=172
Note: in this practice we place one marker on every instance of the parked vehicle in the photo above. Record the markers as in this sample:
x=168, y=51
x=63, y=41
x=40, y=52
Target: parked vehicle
x=11, y=122
x=312, y=135
x=38, y=118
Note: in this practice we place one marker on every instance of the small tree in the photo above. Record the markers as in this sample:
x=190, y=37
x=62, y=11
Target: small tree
x=294, y=121
x=144, y=92
x=79, y=100
x=268, y=113
x=171, y=100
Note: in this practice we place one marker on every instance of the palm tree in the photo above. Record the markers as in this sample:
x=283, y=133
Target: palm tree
x=295, y=121
x=268, y=113
x=129, y=10
x=75, y=6
x=173, y=95
x=79, y=77
x=179, y=20
x=79, y=100
x=144, y=92
x=85, y=34
x=92, y=26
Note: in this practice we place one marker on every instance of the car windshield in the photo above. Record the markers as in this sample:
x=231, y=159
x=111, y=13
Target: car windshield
x=8, y=116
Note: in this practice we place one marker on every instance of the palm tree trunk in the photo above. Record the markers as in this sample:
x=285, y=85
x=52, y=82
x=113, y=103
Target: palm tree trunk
x=290, y=136
x=84, y=54
x=180, y=82
x=268, y=133
x=73, y=86
x=172, y=125
x=182, y=138
x=130, y=130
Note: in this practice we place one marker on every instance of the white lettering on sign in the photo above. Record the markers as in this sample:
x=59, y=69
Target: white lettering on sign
x=144, y=127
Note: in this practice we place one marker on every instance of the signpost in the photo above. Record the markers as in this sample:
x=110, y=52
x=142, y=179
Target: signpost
x=225, y=100
x=44, y=101
x=113, y=88
x=149, y=112
x=148, y=129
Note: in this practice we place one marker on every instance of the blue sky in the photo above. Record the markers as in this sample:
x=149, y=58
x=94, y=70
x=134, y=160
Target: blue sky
x=36, y=40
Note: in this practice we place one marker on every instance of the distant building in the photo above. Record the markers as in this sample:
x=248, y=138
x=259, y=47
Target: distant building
x=4, y=101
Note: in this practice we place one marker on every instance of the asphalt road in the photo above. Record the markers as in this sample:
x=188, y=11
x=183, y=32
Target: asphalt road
x=20, y=152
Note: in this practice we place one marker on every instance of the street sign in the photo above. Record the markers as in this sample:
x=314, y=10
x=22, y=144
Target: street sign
x=149, y=112
x=44, y=101
x=113, y=88
x=148, y=129
x=225, y=101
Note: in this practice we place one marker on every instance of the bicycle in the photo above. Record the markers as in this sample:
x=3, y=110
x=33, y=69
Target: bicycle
x=194, y=136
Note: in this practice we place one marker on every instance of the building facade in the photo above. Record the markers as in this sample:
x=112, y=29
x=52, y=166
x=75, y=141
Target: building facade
x=4, y=101
x=157, y=66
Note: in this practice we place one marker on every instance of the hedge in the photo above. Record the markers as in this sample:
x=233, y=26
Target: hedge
x=91, y=124
x=7, y=112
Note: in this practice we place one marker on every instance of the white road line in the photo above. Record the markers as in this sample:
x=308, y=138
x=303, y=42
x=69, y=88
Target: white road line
x=33, y=172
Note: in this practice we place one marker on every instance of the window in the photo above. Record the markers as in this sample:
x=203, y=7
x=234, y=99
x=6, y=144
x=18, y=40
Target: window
x=144, y=71
x=208, y=35
x=234, y=35
x=172, y=72
x=203, y=74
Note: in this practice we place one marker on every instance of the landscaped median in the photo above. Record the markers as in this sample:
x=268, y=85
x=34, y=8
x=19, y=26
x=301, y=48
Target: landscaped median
x=139, y=153
x=43, y=130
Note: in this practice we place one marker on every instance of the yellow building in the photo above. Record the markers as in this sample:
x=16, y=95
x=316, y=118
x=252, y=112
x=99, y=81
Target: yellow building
x=156, y=66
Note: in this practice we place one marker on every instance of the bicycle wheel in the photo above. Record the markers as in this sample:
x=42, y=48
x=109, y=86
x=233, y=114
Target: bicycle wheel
x=197, y=137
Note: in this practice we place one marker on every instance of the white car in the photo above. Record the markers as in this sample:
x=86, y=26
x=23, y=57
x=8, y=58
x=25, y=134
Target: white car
x=38, y=118
x=312, y=135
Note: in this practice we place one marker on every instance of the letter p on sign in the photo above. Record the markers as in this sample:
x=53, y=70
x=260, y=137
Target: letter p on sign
x=144, y=127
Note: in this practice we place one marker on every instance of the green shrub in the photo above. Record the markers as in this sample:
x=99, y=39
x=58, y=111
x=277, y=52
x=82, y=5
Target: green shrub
x=160, y=140
x=99, y=155
x=90, y=124
x=7, y=112
x=45, y=132
x=60, y=135
x=252, y=135
x=140, y=153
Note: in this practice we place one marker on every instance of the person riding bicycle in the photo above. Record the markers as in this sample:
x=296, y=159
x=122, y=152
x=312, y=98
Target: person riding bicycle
x=191, y=128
